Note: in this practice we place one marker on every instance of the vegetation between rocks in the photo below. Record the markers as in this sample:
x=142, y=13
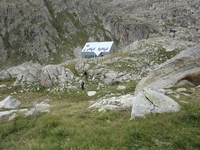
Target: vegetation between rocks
x=71, y=125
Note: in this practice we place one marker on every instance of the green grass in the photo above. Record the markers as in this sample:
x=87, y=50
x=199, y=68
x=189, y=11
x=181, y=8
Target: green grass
x=71, y=125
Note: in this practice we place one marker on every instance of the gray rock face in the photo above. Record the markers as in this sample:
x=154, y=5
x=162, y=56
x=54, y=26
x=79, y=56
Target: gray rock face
x=55, y=75
x=42, y=107
x=125, y=33
x=26, y=72
x=184, y=66
x=5, y=115
x=150, y=101
x=10, y=103
x=31, y=113
x=13, y=104
x=29, y=72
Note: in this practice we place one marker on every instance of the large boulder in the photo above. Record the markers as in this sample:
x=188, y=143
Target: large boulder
x=184, y=66
x=150, y=101
x=10, y=103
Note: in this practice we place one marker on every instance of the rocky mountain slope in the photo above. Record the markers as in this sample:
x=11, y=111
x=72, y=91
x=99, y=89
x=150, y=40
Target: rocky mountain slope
x=42, y=103
x=50, y=31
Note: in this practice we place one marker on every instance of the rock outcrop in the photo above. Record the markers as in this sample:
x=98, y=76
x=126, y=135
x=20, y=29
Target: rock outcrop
x=184, y=66
x=26, y=72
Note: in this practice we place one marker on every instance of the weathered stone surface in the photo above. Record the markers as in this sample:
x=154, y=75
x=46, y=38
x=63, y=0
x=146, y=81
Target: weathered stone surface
x=27, y=72
x=184, y=66
x=5, y=115
x=12, y=117
x=4, y=74
x=150, y=101
x=10, y=103
x=42, y=107
x=114, y=103
x=31, y=113
x=11, y=114
x=163, y=91
x=55, y=75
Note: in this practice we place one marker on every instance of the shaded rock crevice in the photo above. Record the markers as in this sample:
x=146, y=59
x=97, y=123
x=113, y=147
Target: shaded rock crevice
x=193, y=78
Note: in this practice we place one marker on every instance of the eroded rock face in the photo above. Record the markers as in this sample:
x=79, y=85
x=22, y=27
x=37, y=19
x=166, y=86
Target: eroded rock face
x=184, y=66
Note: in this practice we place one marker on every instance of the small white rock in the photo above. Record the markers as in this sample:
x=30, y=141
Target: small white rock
x=91, y=93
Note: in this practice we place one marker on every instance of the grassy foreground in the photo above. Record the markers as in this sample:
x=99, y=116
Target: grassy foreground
x=72, y=126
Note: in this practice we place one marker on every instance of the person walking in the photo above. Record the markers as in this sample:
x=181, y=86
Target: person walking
x=82, y=85
x=85, y=75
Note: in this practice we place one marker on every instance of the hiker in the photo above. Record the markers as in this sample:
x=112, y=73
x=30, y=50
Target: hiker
x=85, y=74
x=82, y=85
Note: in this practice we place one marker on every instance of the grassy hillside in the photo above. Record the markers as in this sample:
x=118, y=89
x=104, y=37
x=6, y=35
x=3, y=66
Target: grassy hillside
x=71, y=125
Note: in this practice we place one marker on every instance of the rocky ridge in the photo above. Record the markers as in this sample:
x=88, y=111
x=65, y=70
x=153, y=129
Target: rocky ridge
x=48, y=32
x=128, y=66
